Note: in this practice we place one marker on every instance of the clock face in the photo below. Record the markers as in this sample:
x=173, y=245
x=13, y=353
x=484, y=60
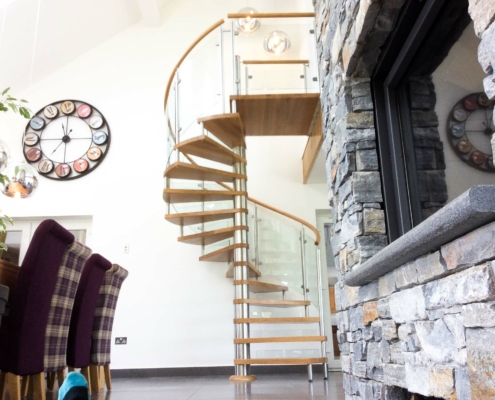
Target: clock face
x=469, y=130
x=66, y=140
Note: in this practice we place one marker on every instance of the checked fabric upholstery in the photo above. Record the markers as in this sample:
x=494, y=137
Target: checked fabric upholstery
x=57, y=329
x=104, y=315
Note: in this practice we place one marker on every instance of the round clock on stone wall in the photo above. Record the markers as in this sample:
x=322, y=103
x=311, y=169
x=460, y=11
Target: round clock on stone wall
x=470, y=128
x=66, y=139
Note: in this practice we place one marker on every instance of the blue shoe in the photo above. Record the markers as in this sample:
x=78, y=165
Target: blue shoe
x=75, y=387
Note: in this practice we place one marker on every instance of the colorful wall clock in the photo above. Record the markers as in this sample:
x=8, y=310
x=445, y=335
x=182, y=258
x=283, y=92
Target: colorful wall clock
x=66, y=140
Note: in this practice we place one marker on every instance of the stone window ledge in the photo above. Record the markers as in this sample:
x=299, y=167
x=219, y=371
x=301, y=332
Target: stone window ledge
x=472, y=209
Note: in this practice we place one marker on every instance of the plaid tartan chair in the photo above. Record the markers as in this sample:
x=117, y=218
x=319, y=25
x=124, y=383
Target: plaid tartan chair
x=57, y=329
x=101, y=338
x=22, y=336
x=83, y=312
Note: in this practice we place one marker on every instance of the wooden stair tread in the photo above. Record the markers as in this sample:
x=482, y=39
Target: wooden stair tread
x=273, y=303
x=196, y=196
x=181, y=170
x=277, y=320
x=203, y=216
x=209, y=237
x=276, y=114
x=282, y=339
x=224, y=254
x=253, y=272
x=261, y=287
x=205, y=147
x=287, y=361
x=226, y=127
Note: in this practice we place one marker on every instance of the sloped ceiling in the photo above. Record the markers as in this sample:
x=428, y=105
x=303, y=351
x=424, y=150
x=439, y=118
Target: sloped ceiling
x=37, y=37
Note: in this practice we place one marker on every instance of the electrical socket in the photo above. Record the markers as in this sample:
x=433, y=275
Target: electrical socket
x=120, y=340
x=126, y=247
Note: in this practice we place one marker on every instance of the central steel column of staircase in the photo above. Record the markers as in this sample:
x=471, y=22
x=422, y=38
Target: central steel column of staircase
x=241, y=271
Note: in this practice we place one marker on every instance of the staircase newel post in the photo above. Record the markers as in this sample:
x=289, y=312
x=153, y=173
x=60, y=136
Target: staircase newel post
x=241, y=272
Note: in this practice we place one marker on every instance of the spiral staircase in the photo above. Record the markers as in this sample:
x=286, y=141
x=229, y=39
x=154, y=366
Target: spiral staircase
x=272, y=257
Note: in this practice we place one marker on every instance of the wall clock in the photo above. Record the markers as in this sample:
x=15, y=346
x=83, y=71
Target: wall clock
x=469, y=130
x=66, y=139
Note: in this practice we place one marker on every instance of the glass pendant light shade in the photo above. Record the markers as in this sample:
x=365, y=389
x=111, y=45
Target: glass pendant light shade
x=4, y=155
x=248, y=25
x=23, y=180
x=277, y=42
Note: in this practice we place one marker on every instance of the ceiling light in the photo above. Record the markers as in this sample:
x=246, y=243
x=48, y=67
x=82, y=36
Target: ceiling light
x=248, y=25
x=277, y=42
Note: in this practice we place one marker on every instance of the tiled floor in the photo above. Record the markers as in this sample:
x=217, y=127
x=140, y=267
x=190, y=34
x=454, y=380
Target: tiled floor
x=290, y=386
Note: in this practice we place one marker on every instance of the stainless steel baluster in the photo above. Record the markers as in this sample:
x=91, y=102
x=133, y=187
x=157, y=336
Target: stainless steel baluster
x=232, y=35
x=177, y=124
x=322, y=319
x=222, y=72
x=304, y=272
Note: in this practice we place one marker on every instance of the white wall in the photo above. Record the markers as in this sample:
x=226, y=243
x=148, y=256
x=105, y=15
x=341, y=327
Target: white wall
x=459, y=75
x=175, y=311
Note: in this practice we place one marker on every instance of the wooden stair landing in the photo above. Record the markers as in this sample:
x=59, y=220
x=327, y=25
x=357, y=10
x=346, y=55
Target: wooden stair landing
x=277, y=114
x=226, y=127
x=209, y=237
x=205, y=147
x=262, y=287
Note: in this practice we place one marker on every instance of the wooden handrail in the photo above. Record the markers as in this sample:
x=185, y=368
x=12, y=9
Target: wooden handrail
x=190, y=48
x=273, y=15
x=286, y=214
x=275, y=62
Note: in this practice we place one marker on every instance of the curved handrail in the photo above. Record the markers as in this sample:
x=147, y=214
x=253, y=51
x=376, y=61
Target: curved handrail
x=189, y=49
x=286, y=214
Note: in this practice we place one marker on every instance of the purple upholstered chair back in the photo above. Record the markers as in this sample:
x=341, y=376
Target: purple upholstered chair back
x=101, y=339
x=81, y=324
x=57, y=328
x=23, y=340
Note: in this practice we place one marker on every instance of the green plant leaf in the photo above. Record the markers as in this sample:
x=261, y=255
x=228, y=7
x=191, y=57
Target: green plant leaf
x=11, y=98
x=8, y=219
x=5, y=91
x=3, y=227
x=16, y=170
x=3, y=247
x=24, y=101
x=13, y=106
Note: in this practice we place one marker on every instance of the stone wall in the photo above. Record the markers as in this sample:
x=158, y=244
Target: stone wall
x=427, y=327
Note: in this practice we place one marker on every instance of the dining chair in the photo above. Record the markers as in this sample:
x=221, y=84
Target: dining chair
x=101, y=338
x=22, y=334
x=83, y=312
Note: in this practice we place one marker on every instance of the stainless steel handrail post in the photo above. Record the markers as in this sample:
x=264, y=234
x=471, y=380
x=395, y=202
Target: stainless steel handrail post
x=232, y=34
x=246, y=77
x=238, y=74
x=256, y=239
x=222, y=71
x=304, y=272
x=305, y=70
x=177, y=124
x=320, y=308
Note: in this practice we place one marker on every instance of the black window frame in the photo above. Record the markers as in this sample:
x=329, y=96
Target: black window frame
x=394, y=130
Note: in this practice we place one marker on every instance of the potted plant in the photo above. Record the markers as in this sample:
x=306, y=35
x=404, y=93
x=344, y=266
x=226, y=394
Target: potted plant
x=8, y=103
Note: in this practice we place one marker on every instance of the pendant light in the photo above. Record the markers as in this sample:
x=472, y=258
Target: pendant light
x=277, y=42
x=23, y=180
x=247, y=25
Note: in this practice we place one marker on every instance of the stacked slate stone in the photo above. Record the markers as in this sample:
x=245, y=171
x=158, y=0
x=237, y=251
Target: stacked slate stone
x=427, y=327
x=428, y=148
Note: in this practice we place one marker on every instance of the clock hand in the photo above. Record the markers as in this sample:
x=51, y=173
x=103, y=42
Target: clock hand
x=57, y=147
x=65, y=150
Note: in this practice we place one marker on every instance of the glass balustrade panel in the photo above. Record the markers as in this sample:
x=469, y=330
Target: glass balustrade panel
x=310, y=251
x=199, y=89
x=268, y=79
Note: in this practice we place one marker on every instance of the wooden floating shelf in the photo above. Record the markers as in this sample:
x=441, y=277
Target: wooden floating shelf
x=288, y=339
